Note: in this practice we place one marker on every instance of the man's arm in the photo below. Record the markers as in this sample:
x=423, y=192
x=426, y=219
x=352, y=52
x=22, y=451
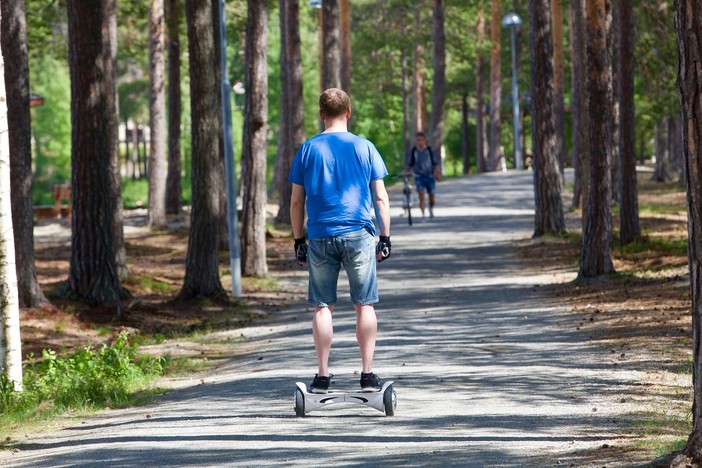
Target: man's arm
x=297, y=211
x=382, y=201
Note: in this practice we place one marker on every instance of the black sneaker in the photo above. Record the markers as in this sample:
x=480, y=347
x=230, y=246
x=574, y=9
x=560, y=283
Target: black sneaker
x=370, y=382
x=320, y=384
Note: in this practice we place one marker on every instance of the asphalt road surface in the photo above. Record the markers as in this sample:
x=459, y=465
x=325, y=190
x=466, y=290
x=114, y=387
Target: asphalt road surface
x=485, y=376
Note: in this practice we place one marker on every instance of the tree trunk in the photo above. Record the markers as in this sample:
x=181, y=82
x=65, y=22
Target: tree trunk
x=253, y=248
x=495, y=158
x=419, y=85
x=660, y=172
x=331, y=45
x=558, y=82
x=295, y=105
x=629, y=228
x=480, y=162
x=547, y=179
x=596, y=255
x=202, y=261
x=465, y=151
x=406, y=103
x=688, y=23
x=112, y=114
x=174, y=186
x=613, y=52
x=157, y=113
x=218, y=74
x=345, y=14
x=93, y=268
x=282, y=169
x=14, y=48
x=438, y=91
x=582, y=147
x=10, y=342
x=576, y=105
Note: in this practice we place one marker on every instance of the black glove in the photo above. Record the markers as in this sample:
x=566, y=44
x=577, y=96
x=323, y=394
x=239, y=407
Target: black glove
x=383, y=248
x=301, y=251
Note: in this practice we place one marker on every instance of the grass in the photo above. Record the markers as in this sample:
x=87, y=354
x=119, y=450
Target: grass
x=79, y=382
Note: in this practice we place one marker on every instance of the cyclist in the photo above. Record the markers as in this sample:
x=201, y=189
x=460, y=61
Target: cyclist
x=427, y=170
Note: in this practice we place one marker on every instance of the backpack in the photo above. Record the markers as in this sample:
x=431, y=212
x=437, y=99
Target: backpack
x=413, y=157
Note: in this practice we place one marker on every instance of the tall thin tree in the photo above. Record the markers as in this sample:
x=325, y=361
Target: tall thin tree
x=157, y=116
x=331, y=45
x=295, y=126
x=547, y=181
x=14, y=49
x=202, y=260
x=93, y=272
x=345, y=37
x=596, y=253
x=688, y=24
x=10, y=342
x=173, y=178
x=629, y=226
x=495, y=158
x=558, y=80
x=480, y=161
x=438, y=90
x=253, y=241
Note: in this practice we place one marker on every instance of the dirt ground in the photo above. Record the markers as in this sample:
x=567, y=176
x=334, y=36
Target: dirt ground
x=640, y=314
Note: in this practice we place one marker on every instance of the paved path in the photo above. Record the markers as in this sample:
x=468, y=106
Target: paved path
x=484, y=374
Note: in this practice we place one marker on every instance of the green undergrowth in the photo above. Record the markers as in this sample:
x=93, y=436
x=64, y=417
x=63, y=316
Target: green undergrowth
x=79, y=382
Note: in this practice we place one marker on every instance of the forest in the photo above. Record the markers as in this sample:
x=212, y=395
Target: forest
x=185, y=108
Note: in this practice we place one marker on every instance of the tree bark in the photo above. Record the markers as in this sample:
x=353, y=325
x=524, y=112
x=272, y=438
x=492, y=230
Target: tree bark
x=345, y=22
x=582, y=147
x=282, y=168
x=112, y=114
x=331, y=45
x=629, y=227
x=295, y=105
x=14, y=49
x=218, y=77
x=480, y=161
x=576, y=103
x=93, y=268
x=438, y=92
x=465, y=151
x=596, y=255
x=613, y=57
x=419, y=91
x=688, y=24
x=10, y=341
x=157, y=113
x=202, y=262
x=406, y=104
x=253, y=248
x=174, y=187
x=547, y=179
x=495, y=158
x=558, y=82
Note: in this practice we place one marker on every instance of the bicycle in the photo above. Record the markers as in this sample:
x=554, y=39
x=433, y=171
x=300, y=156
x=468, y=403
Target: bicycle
x=407, y=192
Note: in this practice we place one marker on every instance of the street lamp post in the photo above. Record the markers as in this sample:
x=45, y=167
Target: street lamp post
x=513, y=22
x=232, y=215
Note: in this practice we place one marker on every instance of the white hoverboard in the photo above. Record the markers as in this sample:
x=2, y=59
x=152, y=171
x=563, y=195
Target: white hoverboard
x=383, y=400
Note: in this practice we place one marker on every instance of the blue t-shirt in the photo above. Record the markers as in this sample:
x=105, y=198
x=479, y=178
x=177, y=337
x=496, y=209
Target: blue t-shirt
x=336, y=170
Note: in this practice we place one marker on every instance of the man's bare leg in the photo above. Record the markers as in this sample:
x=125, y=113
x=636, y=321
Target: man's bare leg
x=323, y=330
x=366, y=331
x=432, y=200
x=420, y=194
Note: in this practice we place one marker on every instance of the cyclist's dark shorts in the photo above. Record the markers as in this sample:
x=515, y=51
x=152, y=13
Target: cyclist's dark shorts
x=424, y=182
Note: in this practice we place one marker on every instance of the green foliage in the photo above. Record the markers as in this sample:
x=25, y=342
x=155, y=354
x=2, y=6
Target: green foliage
x=85, y=378
x=51, y=127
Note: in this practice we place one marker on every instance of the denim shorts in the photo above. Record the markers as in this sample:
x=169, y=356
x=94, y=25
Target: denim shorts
x=424, y=182
x=356, y=252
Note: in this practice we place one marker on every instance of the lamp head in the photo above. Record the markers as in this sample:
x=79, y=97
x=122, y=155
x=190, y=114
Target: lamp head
x=510, y=20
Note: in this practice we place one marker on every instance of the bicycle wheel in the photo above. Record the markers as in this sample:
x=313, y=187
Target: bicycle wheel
x=409, y=209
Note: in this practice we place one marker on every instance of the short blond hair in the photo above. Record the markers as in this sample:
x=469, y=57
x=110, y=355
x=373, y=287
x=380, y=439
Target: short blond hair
x=334, y=102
